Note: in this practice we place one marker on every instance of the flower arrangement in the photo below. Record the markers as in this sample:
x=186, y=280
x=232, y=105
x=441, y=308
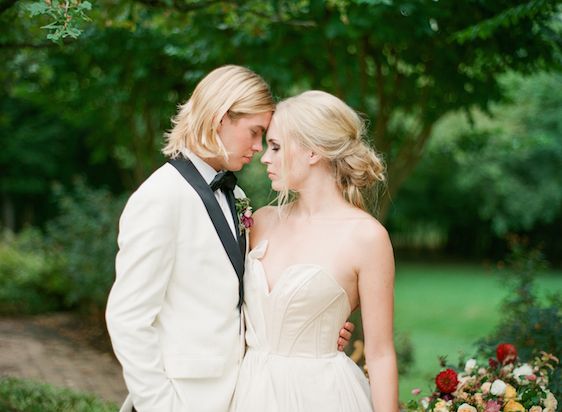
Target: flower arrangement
x=244, y=211
x=500, y=385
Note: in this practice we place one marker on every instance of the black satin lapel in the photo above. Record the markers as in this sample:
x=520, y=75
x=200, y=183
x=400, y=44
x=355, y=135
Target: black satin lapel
x=240, y=235
x=190, y=173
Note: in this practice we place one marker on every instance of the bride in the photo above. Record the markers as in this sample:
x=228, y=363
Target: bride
x=314, y=260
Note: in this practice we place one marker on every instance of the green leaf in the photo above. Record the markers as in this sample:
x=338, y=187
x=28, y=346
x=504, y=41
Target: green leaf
x=37, y=8
x=85, y=6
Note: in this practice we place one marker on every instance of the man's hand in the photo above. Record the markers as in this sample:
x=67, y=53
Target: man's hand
x=345, y=335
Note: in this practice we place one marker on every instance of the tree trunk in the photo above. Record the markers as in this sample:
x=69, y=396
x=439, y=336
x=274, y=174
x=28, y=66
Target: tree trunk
x=400, y=168
x=8, y=213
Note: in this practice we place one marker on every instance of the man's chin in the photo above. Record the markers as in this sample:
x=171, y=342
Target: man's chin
x=235, y=167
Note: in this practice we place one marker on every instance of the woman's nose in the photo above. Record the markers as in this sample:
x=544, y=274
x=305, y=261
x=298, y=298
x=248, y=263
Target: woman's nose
x=265, y=158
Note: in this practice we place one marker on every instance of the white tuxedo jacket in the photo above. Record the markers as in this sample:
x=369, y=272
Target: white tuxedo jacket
x=172, y=312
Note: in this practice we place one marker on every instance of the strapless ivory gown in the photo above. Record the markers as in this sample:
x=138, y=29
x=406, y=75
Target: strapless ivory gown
x=292, y=363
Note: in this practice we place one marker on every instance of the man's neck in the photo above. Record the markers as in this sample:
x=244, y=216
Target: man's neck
x=214, y=162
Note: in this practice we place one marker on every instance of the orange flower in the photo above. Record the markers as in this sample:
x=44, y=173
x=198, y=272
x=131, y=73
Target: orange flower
x=513, y=406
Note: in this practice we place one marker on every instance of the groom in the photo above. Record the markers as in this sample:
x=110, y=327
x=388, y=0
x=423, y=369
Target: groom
x=174, y=311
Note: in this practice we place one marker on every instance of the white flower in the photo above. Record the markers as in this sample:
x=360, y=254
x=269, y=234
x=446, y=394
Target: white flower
x=442, y=406
x=470, y=365
x=465, y=407
x=508, y=368
x=550, y=403
x=535, y=409
x=485, y=388
x=523, y=370
x=498, y=387
x=463, y=381
x=482, y=371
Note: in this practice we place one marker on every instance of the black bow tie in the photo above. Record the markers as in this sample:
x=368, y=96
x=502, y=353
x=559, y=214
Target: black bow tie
x=226, y=181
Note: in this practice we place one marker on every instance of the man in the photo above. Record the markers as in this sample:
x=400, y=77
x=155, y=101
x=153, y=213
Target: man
x=173, y=313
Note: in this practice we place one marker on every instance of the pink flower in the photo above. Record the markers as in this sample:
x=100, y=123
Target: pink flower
x=247, y=221
x=416, y=391
x=492, y=406
x=532, y=377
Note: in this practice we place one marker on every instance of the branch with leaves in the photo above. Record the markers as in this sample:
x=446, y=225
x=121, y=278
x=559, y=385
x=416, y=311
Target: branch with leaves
x=66, y=17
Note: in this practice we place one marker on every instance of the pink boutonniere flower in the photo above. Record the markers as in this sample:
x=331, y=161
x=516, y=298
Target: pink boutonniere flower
x=244, y=211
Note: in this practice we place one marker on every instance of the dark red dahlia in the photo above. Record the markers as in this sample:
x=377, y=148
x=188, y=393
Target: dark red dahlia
x=493, y=363
x=447, y=381
x=506, y=353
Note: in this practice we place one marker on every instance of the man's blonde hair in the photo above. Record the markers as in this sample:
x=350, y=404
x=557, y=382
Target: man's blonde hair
x=233, y=90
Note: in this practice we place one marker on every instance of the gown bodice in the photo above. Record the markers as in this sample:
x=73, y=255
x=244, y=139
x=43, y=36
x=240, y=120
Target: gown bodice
x=292, y=363
x=302, y=314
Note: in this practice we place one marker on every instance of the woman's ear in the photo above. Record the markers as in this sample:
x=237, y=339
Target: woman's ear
x=313, y=158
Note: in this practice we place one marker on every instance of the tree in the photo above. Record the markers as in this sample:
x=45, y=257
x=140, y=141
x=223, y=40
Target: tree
x=404, y=64
x=407, y=64
x=479, y=183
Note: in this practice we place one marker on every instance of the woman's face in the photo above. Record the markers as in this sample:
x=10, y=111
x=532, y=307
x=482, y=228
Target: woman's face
x=294, y=172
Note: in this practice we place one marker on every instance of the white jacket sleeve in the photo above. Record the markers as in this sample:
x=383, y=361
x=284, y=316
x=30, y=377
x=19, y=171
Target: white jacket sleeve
x=144, y=264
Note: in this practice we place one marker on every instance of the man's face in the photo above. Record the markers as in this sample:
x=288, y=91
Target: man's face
x=242, y=138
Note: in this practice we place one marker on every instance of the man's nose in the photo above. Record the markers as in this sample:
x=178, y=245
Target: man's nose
x=257, y=146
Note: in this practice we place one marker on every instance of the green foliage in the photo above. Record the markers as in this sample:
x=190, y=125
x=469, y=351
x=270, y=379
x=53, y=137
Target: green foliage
x=72, y=266
x=529, y=322
x=65, y=16
x=83, y=237
x=99, y=106
x=486, y=29
x=496, y=176
x=18, y=395
x=404, y=352
x=397, y=62
x=29, y=279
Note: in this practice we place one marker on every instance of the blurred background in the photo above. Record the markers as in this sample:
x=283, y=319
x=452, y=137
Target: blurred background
x=463, y=99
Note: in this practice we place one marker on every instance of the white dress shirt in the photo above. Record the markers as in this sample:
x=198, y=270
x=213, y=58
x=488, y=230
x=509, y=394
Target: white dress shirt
x=209, y=174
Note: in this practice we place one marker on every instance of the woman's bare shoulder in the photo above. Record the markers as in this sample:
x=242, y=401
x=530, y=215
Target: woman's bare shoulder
x=369, y=234
x=265, y=211
x=263, y=218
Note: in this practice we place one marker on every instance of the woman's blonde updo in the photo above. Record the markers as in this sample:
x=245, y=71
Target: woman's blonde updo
x=330, y=128
x=230, y=89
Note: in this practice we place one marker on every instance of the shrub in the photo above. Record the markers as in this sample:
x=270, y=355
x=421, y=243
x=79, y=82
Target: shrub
x=17, y=395
x=29, y=281
x=530, y=322
x=83, y=237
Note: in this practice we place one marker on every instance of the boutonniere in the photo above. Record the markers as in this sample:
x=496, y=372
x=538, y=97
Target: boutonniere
x=244, y=211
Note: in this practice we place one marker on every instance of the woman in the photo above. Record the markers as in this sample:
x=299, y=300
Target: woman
x=313, y=261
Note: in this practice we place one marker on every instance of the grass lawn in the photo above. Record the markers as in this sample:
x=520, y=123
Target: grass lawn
x=445, y=309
